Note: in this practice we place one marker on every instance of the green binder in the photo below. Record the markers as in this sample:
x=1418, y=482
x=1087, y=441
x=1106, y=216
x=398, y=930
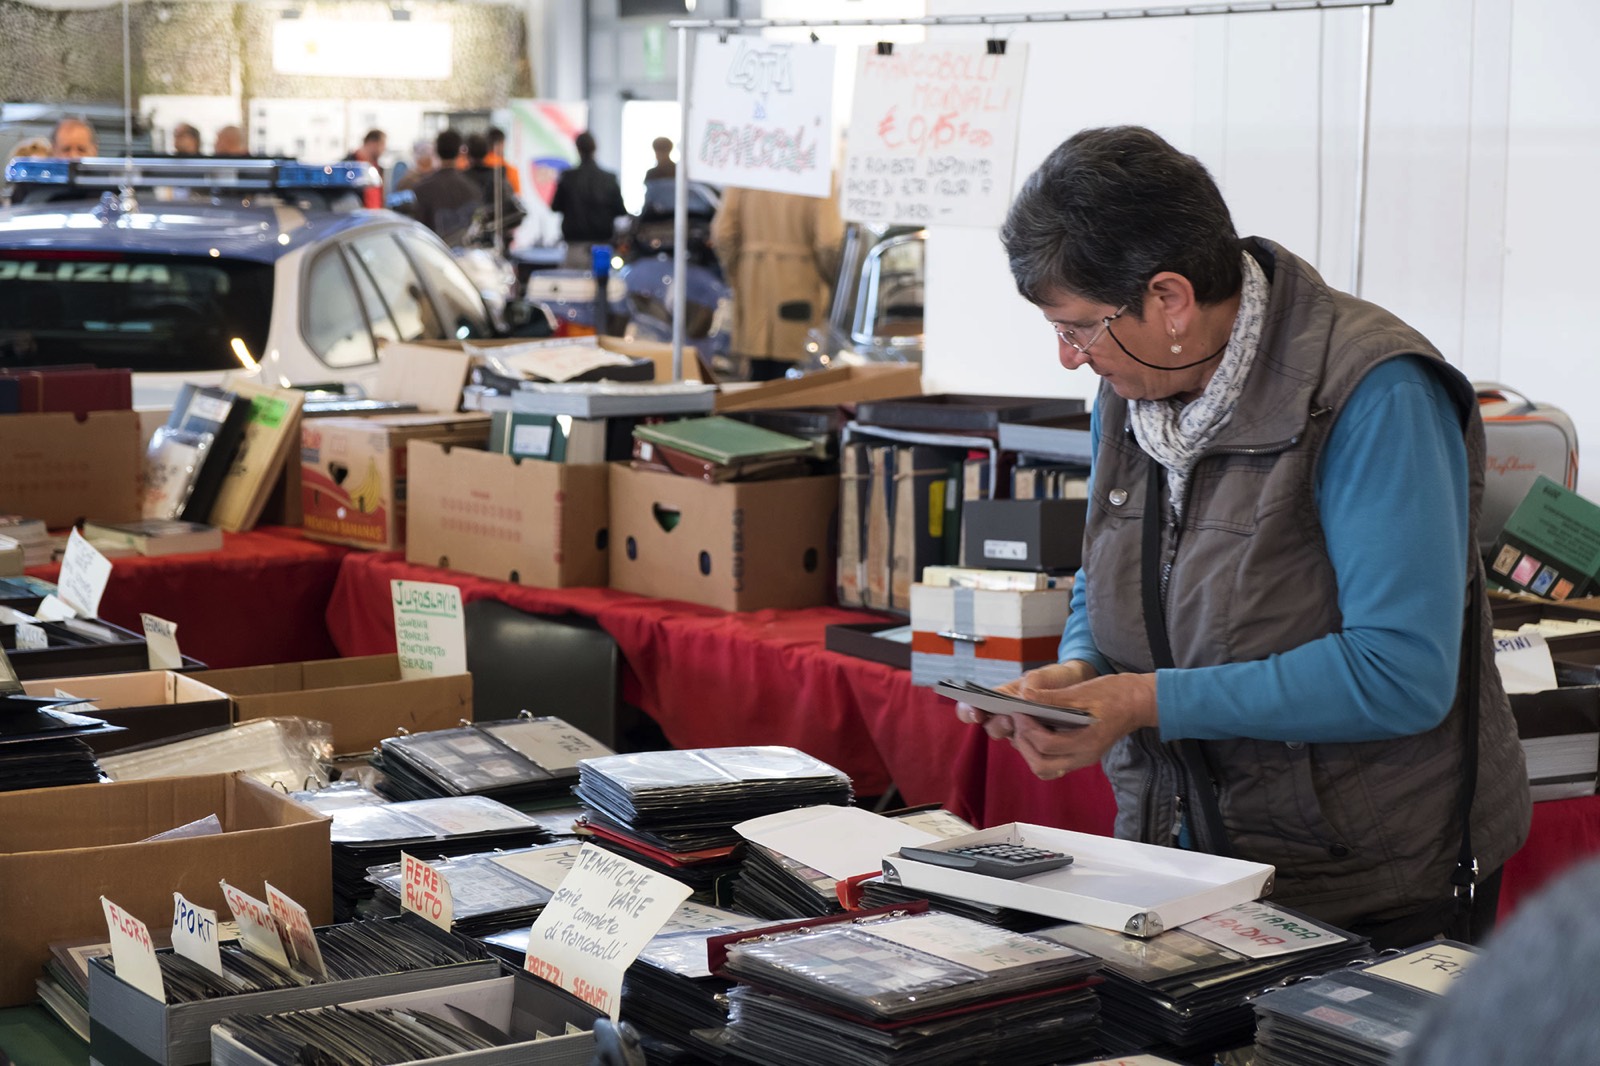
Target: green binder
x=722, y=440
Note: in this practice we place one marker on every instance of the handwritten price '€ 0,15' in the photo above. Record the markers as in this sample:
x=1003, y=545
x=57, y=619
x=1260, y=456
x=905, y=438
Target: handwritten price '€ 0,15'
x=928, y=133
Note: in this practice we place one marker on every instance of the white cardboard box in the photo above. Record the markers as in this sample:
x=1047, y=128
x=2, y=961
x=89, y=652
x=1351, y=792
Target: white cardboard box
x=1133, y=888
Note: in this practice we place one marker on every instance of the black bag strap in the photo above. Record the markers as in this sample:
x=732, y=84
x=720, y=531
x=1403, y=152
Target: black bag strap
x=1466, y=871
x=1210, y=834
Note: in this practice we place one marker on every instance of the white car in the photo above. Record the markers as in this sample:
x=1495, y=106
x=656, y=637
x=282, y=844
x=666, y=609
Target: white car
x=217, y=268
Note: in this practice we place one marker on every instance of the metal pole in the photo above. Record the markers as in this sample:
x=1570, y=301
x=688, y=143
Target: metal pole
x=680, y=212
x=1363, y=136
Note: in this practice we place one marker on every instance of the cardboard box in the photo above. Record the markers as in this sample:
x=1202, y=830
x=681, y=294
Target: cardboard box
x=61, y=849
x=990, y=636
x=363, y=698
x=152, y=705
x=740, y=545
x=519, y=520
x=64, y=468
x=430, y=374
x=1550, y=546
x=78, y=647
x=353, y=472
x=1023, y=534
x=844, y=384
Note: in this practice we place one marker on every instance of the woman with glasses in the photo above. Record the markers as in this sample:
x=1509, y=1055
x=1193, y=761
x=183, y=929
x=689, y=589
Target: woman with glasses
x=1280, y=622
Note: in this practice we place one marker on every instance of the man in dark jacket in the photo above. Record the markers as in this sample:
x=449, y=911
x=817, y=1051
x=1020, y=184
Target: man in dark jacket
x=589, y=201
x=506, y=215
x=447, y=198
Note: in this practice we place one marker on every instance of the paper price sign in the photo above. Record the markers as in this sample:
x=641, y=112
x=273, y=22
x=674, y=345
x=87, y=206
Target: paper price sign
x=298, y=933
x=1432, y=969
x=1260, y=930
x=161, y=643
x=53, y=609
x=258, y=930
x=593, y=928
x=133, y=952
x=429, y=633
x=84, y=573
x=194, y=934
x=424, y=891
x=31, y=637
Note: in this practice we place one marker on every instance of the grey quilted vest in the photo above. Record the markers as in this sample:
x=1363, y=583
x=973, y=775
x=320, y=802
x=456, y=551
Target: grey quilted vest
x=1364, y=831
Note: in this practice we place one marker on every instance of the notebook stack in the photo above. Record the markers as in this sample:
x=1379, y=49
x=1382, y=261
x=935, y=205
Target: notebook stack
x=930, y=989
x=1187, y=991
x=491, y=891
x=364, y=837
x=518, y=761
x=1365, y=1016
x=673, y=811
x=718, y=449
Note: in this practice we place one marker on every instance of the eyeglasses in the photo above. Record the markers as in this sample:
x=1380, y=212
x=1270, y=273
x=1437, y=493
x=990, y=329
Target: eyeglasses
x=1068, y=336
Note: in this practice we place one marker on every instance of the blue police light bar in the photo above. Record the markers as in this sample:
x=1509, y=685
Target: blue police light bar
x=192, y=173
x=36, y=171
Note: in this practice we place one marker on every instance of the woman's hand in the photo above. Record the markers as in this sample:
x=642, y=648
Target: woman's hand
x=1120, y=704
x=1046, y=678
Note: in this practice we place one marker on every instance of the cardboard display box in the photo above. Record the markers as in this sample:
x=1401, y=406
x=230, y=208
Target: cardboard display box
x=363, y=698
x=64, y=467
x=1023, y=534
x=989, y=636
x=153, y=705
x=740, y=545
x=844, y=384
x=61, y=849
x=519, y=520
x=353, y=472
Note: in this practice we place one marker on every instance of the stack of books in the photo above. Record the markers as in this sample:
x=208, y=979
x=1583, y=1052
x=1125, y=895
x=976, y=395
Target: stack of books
x=674, y=811
x=922, y=988
x=153, y=536
x=718, y=449
x=31, y=536
x=1187, y=991
x=520, y=761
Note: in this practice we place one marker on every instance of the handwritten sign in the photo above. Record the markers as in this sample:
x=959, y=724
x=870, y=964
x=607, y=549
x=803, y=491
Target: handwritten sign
x=552, y=744
x=598, y=921
x=1524, y=662
x=761, y=115
x=933, y=134
x=298, y=933
x=52, y=609
x=194, y=934
x=31, y=637
x=258, y=930
x=84, y=573
x=424, y=891
x=133, y=952
x=545, y=867
x=1433, y=969
x=161, y=643
x=428, y=629
x=1260, y=930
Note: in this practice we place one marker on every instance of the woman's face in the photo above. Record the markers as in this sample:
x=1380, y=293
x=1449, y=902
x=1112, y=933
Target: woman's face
x=1101, y=337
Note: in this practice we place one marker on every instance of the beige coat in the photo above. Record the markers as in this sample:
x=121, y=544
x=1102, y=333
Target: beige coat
x=776, y=248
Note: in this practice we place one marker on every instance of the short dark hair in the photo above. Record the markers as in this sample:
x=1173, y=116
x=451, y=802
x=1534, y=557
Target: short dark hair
x=496, y=136
x=584, y=142
x=374, y=136
x=447, y=145
x=477, y=147
x=1111, y=208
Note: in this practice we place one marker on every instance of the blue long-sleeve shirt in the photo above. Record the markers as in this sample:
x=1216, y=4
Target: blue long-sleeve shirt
x=1392, y=493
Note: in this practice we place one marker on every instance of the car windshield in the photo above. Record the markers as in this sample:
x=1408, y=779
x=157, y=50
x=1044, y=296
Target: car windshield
x=147, y=313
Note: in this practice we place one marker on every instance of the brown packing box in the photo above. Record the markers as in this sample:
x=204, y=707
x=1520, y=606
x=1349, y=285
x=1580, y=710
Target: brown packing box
x=153, y=705
x=844, y=384
x=353, y=472
x=518, y=520
x=363, y=698
x=64, y=467
x=61, y=849
x=740, y=545
x=430, y=374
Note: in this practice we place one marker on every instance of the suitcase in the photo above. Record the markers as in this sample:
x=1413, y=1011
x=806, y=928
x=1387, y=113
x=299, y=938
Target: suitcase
x=1522, y=440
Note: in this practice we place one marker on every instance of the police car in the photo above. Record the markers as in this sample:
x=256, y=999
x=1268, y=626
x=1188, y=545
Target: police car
x=197, y=270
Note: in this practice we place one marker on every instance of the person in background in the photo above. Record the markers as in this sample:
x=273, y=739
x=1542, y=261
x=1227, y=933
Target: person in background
x=589, y=201
x=486, y=177
x=423, y=163
x=185, y=139
x=665, y=167
x=780, y=253
x=447, y=198
x=73, y=138
x=230, y=142
x=1280, y=625
x=371, y=151
x=496, y=157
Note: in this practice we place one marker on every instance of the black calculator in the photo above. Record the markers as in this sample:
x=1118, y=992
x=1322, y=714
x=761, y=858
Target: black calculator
x=998, y=859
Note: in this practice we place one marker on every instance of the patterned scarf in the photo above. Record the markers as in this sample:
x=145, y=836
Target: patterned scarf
x=1175, y=433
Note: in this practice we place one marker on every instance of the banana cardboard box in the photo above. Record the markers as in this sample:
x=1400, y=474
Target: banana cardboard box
x=353, y=472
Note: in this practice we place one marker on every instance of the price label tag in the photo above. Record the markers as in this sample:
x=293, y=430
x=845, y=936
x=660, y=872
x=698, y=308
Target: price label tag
x=430, y=636
x=258, y=931
x=426, y=892
x=84, y=573
x=133, y=952
x=31, y=637
x=161, y=643
x=297, y=933
x=51, y=609
x=194, y=934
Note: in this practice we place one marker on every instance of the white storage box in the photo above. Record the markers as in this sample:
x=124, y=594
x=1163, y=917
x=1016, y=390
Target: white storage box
x=990, y=636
